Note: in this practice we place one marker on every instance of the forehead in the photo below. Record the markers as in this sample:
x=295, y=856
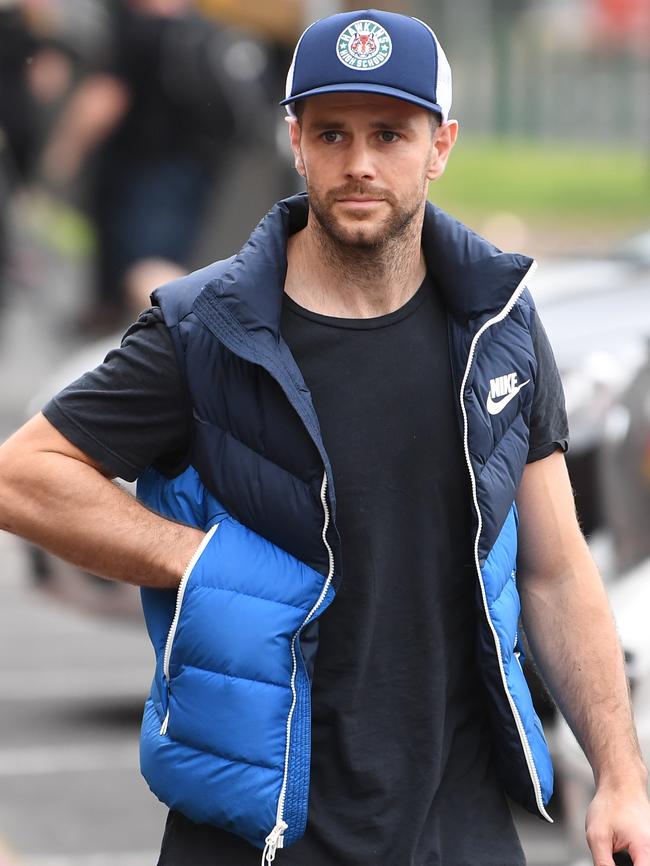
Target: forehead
x=362, y=106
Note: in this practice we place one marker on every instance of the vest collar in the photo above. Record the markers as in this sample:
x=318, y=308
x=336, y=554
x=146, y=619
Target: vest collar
x=473, y=277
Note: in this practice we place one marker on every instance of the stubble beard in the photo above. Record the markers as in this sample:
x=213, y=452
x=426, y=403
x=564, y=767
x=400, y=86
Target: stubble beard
x=402, y=222
x=374, y=252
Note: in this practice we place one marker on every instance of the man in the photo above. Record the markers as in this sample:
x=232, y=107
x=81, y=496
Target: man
x=337, y=439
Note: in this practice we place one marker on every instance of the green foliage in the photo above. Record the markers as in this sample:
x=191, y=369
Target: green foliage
x=544, y=183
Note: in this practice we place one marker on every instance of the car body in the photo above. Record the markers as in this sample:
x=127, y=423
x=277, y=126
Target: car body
x=596, y=312
x=624, y=470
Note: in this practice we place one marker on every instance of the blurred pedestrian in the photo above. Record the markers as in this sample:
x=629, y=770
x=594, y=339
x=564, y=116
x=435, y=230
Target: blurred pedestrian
x=354, y=430
x=35, y=68
x=17, y=108
x=158, y=120
x=16, y=116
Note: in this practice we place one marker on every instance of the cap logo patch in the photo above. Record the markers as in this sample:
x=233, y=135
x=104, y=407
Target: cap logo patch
x=364, y=45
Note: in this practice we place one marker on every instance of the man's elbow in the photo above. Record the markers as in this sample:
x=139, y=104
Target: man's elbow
x=15, y=460
x=24, y=471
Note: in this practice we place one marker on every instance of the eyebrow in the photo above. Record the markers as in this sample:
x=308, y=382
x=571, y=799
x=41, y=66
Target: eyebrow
x=398, y=125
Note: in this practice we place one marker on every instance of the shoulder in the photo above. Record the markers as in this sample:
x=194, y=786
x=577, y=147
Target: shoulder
x=176, y=299
x=519, y=317
x=526, y=307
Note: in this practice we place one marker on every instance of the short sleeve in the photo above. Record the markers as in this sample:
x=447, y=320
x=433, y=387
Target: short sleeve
x=549, y=427
x=132, y=410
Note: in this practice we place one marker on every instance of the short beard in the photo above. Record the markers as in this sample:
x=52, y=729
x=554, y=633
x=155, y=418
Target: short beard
x=396, y=226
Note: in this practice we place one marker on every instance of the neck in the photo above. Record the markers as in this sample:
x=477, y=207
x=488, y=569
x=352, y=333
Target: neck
x=348, y=281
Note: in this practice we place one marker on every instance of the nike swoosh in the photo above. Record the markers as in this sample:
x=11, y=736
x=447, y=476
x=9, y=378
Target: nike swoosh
x=494, y=407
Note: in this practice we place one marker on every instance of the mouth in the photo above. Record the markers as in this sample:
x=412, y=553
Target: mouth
x=359, y=201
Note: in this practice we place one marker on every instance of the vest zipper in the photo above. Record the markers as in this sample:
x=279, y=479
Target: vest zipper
x=275, y=839
x=179, y=604
x=515, y=712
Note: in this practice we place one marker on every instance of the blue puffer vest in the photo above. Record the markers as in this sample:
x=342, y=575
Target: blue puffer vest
x=226, y=729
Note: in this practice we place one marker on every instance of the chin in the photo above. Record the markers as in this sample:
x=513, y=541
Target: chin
x=358, y=235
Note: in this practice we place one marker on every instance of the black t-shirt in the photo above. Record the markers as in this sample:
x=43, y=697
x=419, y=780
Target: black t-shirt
x=402, y=770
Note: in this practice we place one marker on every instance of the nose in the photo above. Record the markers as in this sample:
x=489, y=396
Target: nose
x=359, y=164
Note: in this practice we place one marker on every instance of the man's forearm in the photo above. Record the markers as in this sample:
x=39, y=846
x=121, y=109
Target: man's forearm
x=572, y=634
x=569, y=624
x=68, y=507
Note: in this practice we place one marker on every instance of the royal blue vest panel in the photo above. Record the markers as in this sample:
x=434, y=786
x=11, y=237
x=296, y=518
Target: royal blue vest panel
x=226, y=731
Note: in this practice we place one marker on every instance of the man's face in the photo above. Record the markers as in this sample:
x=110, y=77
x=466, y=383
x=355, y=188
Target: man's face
x=367, y=161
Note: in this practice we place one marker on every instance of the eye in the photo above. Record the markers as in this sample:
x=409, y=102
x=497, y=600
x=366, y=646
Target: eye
x=388, y=137
x=331, y=136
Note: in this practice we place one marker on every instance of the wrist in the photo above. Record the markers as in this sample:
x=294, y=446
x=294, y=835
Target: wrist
x=176, y=554
x=624, y=776
x=186, y=549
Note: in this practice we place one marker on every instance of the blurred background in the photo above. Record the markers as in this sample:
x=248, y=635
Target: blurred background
x=141, y=139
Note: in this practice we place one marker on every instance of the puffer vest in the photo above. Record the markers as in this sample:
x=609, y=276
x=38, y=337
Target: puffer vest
x=226, y=729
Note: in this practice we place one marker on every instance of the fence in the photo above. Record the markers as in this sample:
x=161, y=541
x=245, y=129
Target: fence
x=537, y=73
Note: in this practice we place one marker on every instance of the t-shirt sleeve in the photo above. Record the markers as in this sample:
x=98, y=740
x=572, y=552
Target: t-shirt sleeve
x=132, y=410
x=549, y=427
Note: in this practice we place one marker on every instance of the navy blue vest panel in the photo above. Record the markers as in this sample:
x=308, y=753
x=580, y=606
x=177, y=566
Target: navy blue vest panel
x=498, y=443
x=251, y=449
x=497, y=447
x=249, y=444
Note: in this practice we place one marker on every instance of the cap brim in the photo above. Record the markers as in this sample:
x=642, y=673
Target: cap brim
x=360, y=87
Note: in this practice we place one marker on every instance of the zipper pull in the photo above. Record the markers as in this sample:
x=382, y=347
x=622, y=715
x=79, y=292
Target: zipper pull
x=163, y=727
x=273, y=841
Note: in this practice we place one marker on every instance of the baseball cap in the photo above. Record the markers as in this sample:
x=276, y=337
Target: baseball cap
x=371, y=51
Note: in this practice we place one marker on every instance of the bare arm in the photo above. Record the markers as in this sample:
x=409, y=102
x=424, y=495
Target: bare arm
x=92, y=113
x=51, y=493
x=572, y=634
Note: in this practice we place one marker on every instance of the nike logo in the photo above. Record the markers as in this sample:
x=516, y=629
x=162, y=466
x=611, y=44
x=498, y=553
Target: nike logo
x=503, y=389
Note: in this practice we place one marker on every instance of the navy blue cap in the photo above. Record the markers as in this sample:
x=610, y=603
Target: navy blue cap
x=371, y=51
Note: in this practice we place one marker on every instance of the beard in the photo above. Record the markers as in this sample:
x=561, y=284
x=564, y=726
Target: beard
x=361, y=233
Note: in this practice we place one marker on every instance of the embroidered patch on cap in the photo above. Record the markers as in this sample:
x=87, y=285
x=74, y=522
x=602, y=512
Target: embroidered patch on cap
x=364, y=45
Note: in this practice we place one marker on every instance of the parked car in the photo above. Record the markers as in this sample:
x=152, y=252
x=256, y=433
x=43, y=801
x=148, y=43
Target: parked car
x=597, y=315
x=624, y=470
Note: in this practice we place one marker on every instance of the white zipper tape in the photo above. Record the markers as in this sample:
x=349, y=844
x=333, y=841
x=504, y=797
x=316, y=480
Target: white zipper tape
x=515, y=712
x=275, y=838
x=179, y=604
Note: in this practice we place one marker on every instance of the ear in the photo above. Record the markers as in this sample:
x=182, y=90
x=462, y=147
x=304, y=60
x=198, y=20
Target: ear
x=295, y=133
x=443, y=141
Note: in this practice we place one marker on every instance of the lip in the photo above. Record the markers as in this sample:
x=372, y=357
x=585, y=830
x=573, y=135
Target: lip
x=359, y=201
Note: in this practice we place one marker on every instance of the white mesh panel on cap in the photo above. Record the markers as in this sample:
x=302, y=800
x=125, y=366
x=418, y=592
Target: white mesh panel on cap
x=289, y=85
x=443, y=84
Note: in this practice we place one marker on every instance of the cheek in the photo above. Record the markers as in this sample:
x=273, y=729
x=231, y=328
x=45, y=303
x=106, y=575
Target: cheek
x=321, y=173
x=407, y=172
x=306, y=163
x=299, y=161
